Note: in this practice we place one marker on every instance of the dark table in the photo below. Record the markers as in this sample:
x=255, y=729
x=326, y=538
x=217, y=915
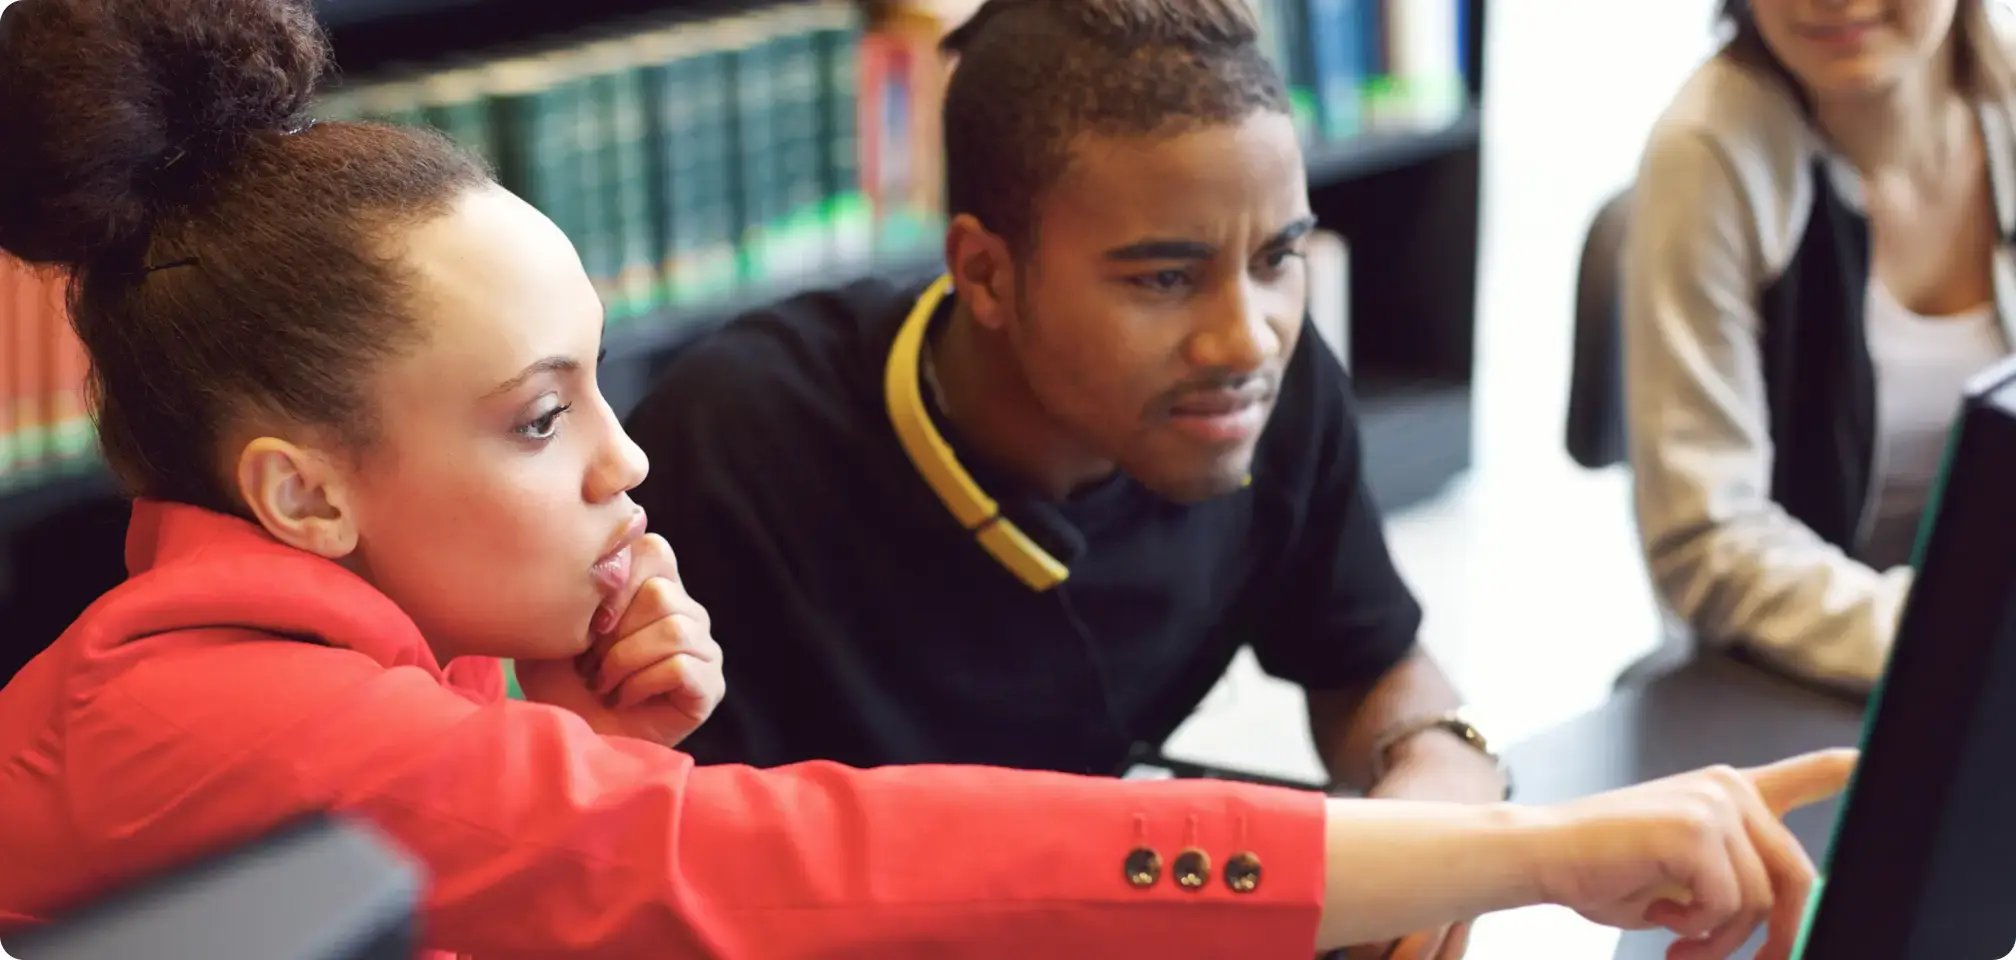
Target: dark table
x=1712, y=711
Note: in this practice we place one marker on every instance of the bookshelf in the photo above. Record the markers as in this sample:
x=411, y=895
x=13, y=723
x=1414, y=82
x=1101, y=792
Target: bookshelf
x=1405, y=200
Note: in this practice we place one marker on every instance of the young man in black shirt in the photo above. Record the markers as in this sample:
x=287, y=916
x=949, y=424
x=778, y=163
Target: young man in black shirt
x=1026, y=515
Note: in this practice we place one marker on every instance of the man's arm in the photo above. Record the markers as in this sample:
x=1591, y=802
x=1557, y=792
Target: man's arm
x=1349, y=723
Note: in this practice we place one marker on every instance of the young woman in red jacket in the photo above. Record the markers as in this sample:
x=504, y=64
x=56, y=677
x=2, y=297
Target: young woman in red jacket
x=352, y=383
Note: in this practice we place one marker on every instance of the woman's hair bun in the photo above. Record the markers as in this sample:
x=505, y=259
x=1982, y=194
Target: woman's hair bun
x=112, y=110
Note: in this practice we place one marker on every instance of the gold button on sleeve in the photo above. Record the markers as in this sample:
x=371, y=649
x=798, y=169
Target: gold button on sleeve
x=1142, y=868
x=1242, y=873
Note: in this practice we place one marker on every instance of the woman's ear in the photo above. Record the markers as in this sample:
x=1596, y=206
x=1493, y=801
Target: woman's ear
x=983, y=274
x=298, y=495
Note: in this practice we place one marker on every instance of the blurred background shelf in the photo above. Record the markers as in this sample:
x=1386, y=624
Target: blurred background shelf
x=1381, y=152
x=714, y=156
x=30, y=496
x=340, y=14
x=635, y=353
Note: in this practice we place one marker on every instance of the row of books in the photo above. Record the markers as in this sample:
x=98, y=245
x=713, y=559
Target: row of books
x=44, y=428
x=691, y=158
x=688, y=158
x=1352, y=66
x=1369, y=66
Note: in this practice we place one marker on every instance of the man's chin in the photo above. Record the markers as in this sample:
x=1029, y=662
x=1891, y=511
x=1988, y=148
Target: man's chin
x=1218, y=481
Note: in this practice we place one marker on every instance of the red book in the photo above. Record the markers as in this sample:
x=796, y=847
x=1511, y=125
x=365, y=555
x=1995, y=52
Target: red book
x=27, y=331
x=69, y=419
x=10, y=317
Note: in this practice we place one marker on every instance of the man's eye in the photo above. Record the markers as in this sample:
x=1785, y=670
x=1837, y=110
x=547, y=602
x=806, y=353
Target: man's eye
x=545, y=426
x=1277, y=259
x=1162, y=281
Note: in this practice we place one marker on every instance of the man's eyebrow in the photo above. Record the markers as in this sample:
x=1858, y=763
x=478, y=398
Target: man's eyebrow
x=548, y=365
x=1294, y=231
x=1161, y=249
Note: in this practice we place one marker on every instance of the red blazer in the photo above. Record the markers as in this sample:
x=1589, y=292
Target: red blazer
x=233, y=683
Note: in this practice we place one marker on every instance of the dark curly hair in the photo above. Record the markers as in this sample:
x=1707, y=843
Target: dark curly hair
x=1032, y=75
x=224, y=254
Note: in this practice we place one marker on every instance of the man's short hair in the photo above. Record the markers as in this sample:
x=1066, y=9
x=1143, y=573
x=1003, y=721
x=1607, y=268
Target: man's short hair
x=1034, y=75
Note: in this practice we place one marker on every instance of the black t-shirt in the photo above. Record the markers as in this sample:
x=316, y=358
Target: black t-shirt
x=864, y=624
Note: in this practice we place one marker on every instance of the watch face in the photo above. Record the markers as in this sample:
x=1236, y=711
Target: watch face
x=1472, y=732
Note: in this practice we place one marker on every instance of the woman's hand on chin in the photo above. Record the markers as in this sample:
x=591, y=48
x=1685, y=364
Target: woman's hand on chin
x=656, y=675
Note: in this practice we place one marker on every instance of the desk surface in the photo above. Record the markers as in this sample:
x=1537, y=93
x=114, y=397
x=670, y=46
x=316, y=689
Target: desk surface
x=1716, y=710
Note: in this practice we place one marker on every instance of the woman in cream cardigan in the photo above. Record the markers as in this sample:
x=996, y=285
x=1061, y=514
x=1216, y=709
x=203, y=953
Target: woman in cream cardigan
x=1818, y=259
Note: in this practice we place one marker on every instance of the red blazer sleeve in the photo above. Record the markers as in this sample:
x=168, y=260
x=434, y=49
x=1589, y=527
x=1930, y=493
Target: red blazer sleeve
x=545, y=839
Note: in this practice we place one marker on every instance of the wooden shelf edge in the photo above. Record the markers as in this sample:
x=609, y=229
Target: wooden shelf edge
x=1375, y=153
x=27, y=497
x=643, y=336
x=336, y=14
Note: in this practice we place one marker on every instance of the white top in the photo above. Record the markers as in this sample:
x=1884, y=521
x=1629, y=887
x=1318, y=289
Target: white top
x=1922, y=367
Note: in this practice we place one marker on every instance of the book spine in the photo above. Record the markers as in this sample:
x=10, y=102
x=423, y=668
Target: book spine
x=705, y=182
x=879, y=163
x=908, y=153
x=588, y=110
x=535, y=140
x=654, y=71
x=458, y=106
x=1426, y=71
x=626, y=194
x=70, y=428
x=798, y=246
x=31, y=333
x=849, y=218
x=1338, y=66
x=11, y=388
x=754, y=73
x=1384, y=99
x=1296, y=66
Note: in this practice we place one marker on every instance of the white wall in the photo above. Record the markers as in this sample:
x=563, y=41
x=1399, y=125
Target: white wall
x=1574, y=86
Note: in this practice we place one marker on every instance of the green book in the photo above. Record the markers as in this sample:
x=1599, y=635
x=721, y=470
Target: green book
x=456, y=103
x=797, y=244
x=753, y=63
x=687, y=94
x=619, y=155
x=586, y=119
x=1297, y=70
x=534, y=112
x=654, y=52
x=849, y=218
x=709, y=182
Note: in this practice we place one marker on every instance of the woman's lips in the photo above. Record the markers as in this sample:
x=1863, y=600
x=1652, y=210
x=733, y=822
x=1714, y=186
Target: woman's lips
x=612, y=572
x=1840, y=36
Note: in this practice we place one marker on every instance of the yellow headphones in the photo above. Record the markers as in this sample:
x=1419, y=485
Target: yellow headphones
x=940, y=467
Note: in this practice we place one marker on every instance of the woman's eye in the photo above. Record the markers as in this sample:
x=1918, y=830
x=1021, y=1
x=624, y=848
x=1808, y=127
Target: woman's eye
x=546, y=425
